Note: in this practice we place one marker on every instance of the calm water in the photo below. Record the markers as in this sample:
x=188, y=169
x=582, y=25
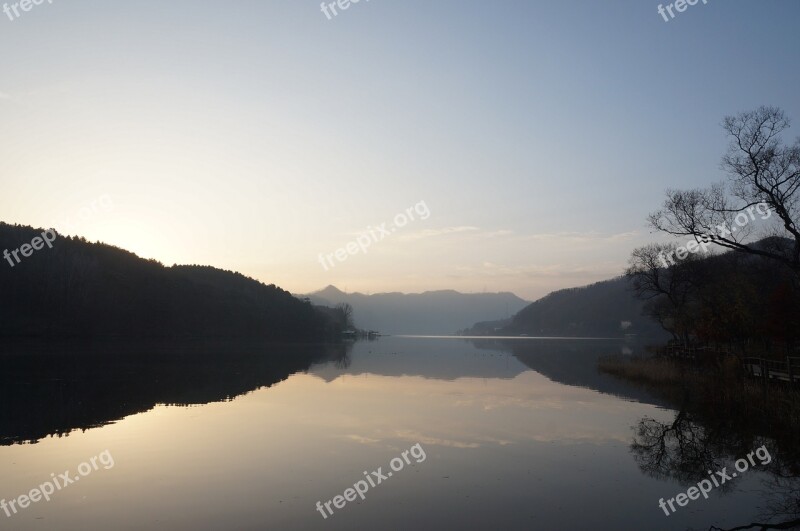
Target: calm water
x=523, y=434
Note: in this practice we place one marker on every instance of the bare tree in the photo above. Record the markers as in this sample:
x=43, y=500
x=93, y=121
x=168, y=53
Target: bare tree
x=668, y=292
x=346, y=311
x=762, y=170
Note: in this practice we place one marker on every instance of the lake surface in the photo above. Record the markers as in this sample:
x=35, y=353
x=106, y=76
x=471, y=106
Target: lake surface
x=518, y=434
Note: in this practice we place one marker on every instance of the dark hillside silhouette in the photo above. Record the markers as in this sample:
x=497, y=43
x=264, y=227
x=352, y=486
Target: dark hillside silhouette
x=83, y=289
x=732, y=299
x=604, y=309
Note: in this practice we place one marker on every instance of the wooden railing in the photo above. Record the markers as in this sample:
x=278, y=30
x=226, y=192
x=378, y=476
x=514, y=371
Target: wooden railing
x=786, y=371
x=676, y=351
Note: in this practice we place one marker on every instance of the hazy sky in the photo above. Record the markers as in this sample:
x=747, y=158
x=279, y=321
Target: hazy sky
x=255, y=135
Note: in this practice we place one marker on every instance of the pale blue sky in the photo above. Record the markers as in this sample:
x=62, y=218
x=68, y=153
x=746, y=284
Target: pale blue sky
x=255, y=135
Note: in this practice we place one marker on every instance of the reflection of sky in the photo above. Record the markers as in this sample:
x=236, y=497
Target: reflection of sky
x=468, y=412
x=501, y=452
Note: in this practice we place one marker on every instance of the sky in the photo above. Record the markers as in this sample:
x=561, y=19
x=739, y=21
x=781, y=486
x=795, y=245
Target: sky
x=262, y=136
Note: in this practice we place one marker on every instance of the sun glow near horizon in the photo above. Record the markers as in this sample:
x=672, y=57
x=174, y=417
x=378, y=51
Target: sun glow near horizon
x=257, y=153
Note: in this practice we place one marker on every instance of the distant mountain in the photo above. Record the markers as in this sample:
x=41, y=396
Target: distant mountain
x=74, y=288
x=428, y=313
x=604, y=309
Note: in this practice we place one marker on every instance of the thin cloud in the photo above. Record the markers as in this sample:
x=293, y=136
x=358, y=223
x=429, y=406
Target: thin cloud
x=490, y=269
x=499, y=234
x=431, y=233
x=582, y=237
x=361, y=439
x=410, y=435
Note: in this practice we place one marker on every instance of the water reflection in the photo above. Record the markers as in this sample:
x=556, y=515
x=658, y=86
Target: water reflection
x=55, y=388
x=683, y=449
x=519, y=435
x=574, y=362
x=688, y=451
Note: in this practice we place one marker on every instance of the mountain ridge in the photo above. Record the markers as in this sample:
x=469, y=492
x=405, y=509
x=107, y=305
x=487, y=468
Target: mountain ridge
x=435, y=312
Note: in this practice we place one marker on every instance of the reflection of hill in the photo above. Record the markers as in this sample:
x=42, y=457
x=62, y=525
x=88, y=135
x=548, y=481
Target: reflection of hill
x=52, y=391
x=574, y=362
x=441, y=359
x=566, y=361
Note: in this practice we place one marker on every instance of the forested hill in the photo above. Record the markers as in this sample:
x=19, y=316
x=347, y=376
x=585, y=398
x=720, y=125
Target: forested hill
x=604, y=309
x=82, y=289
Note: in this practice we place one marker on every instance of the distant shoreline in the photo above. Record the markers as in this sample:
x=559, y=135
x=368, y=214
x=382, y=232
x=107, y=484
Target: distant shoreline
x=503, y=337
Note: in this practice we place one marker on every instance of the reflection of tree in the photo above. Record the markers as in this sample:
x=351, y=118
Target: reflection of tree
x=784, y=501
x=338, y=354
x=685, y=450
x=788, y=500
x=681, y=450
x=343, y=361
